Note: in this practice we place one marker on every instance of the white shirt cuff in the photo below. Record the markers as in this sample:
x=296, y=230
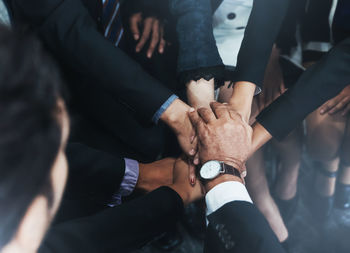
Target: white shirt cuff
x=224, y=193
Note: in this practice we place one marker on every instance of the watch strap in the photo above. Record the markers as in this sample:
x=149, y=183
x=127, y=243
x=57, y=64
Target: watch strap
x=228, y=169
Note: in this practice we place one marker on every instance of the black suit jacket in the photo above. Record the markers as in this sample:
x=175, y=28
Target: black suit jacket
x=197, y=44
x=319, y=83
x=93, y=174
x=236, y=227
x=70, y=32
x=120, y=229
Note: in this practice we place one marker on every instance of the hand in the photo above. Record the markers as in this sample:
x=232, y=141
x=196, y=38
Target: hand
x=151, y=25
x=200, y=93
x=340, y=103
x=187, y=192
x=155, y=174
x=222, y=135
x=176, y=117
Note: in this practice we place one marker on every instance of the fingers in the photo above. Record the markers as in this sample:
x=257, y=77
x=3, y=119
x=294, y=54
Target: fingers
x=134, y=25
x=340, y=105
x=220, y=110
x=154, y=39
x=346, y=110
x=235, y=115
x=147, y=28
x=206, y=114
x=329, y=105
x=196, y=159
x=196, y=121
x=162, y=41
x=192, y=173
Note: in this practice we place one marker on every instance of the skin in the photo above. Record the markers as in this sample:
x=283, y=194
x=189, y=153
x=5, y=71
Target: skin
x=326, y=133
x=153, y=31
x=223, y=135
x=338, y=104
x=200, y=93
x=176, y=117
x=39, y=216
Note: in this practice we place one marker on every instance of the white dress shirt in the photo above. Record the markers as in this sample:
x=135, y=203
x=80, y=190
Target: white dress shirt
x=229, y=23
x=224, y=193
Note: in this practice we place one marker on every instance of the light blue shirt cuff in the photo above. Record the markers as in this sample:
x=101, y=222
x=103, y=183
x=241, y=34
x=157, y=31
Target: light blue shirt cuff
x=162, y=109
x=128, y=184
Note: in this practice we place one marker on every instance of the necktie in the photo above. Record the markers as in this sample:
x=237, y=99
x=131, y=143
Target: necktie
x=112, y=21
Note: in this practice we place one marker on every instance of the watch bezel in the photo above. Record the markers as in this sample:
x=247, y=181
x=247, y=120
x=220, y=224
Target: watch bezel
x=220, y=171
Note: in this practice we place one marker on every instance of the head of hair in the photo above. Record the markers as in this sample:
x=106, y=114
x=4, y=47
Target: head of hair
x=30, y=131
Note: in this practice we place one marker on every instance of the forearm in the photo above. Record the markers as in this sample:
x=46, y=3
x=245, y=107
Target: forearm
x=242, y=98
x=260, y=137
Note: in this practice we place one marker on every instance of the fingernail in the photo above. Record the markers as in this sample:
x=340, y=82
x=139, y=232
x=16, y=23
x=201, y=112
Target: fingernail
x=196, y=161
x=136, y=36
x=192, y=181
x=191, y=109
x=192, y=152
x=322, y=111
x=137, y=50
x=161, y=50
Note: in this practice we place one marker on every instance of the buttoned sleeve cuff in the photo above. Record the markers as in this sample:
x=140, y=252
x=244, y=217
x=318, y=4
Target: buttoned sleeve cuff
x=128, y=184
x=224, y=193
x=162, y=109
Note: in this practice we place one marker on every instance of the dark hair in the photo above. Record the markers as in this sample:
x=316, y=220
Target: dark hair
x=30, y=132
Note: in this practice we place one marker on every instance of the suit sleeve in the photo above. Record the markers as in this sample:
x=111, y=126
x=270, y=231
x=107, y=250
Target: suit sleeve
x=71, y=34
x=319, y=83
x=93, y=173
x=238, y=226
x=197, y=46
x=120, y=229
x=261, y=33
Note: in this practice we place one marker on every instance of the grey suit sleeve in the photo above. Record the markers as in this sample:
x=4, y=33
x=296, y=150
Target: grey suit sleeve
x=195, y=34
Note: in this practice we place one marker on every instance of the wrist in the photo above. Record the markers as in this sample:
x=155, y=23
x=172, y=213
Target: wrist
x=221, y=179
x=229, y=161
x=242, y=98
x=175, y=115
x=260, y=137
x=200, y=93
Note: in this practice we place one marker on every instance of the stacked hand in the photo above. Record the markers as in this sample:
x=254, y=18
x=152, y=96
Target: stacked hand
x=176, y=117
x=222, y=135
x=188, y=193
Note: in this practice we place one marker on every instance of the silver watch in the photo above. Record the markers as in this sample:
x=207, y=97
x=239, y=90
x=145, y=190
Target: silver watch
x=213, y=169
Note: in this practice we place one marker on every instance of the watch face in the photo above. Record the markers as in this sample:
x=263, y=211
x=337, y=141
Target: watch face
x=210, y=170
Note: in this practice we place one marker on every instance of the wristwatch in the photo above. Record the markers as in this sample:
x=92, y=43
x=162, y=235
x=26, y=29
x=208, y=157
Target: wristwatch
x=213, y=169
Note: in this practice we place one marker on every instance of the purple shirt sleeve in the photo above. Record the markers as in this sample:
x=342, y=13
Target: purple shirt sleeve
x=128, y=183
